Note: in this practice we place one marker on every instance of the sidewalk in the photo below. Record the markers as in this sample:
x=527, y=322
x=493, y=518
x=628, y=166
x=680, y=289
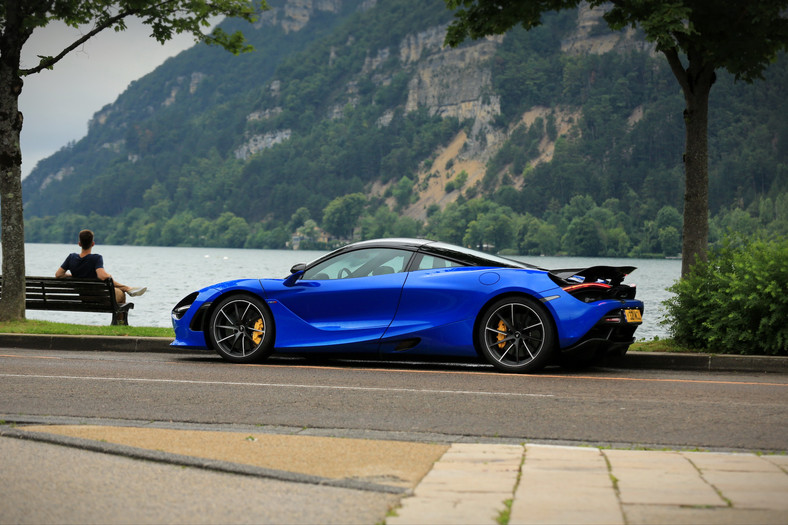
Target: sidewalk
x=422, y=483
x=551, y=484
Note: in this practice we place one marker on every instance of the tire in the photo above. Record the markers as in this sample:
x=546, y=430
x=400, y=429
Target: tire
x=516, y=334
x=241, y=329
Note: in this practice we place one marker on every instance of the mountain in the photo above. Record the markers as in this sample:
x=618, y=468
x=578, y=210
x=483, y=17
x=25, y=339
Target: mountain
x=351, y=119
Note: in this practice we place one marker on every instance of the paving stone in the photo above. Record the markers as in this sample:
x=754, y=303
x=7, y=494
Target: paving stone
x=752, y=490
x=779, y=460
x=667, y=461
x=560, y=496
x=731, y=462
x=451, y=510
x=469, y=484
x=565, y=485
x=491, y=466
x=464, y=482
x=746, y=480
x=483, y=453
x=565, y=458
x=660, y=478
x=661, y=514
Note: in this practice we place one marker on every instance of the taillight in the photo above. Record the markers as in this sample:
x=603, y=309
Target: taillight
x=587, y=286
x=590, y=292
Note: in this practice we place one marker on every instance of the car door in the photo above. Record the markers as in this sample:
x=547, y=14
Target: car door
x=438, y=292
x=350, y=298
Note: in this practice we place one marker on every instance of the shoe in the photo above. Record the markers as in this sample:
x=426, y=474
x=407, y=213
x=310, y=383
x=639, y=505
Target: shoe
x=134, y=292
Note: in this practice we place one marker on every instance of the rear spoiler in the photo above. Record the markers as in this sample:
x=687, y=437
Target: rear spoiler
x=612, y=275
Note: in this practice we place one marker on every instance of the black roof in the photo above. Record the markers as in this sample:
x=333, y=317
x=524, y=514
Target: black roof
x=439, y=249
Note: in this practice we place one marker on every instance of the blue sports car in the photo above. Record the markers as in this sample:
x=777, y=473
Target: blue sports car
x=395, y=297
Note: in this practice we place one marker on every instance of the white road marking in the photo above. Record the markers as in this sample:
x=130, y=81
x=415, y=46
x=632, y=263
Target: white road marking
x=280, y=385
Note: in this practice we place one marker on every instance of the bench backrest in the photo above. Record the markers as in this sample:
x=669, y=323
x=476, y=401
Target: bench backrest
x=84, y=295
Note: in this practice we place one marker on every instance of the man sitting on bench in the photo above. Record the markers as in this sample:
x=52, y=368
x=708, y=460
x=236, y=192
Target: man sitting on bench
x=88, y=264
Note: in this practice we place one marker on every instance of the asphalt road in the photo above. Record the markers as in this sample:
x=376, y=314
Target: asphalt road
x=598, y=406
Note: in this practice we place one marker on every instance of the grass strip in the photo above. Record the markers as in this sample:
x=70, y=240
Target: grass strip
x=30, y=326
x=662, y=345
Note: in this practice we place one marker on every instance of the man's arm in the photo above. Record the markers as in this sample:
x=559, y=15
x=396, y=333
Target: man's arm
x=60, y=273
x=102, y=274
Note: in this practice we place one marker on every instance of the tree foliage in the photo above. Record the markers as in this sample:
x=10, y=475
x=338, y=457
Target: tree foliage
x=696, y=36
x=341, y=214
x=18, y=20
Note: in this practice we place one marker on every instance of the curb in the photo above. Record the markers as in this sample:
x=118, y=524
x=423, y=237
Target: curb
x=87, y=343
x=632, y=360
x=700, y=362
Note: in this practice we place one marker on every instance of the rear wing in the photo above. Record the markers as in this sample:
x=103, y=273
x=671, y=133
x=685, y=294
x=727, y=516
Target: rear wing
x=612, y=275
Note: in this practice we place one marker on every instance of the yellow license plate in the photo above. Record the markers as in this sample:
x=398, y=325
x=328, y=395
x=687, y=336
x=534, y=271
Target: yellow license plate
x=633, y=316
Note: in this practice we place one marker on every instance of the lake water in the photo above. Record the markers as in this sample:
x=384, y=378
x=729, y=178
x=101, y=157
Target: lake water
x=172, y=273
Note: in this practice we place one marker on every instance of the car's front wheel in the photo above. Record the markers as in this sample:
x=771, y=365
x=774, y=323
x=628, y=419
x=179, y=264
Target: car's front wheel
x=241, y=329
x=516, y=334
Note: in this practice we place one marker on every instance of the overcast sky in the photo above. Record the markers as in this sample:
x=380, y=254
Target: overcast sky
x=58, y=104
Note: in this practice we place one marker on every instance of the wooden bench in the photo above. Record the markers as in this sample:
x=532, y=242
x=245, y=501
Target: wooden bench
x=75, y=295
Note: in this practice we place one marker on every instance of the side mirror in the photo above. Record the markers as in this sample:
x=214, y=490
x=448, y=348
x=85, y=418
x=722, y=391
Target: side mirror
x=295, y=273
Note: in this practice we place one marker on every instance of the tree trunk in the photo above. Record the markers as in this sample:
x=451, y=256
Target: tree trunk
x=696, y=180
x=12, y=301
x=695, y=81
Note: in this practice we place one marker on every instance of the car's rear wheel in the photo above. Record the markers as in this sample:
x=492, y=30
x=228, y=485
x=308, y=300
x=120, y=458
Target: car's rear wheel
x=241, y=329
x=516, y=335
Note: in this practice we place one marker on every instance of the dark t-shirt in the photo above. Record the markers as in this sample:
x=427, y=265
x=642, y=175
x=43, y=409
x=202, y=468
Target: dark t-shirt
x=83, y=266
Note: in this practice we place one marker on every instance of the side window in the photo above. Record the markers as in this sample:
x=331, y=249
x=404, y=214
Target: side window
x=360, y=263
x=430, y=262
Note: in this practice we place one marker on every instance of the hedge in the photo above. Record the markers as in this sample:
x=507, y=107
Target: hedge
x=737, y=302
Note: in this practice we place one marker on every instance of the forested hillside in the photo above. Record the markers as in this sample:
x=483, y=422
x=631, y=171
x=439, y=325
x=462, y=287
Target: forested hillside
x=351, y=121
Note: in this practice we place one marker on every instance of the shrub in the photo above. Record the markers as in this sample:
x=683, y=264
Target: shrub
x=737, y=302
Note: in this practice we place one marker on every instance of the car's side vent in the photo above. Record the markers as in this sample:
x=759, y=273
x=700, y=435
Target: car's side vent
x=407, y=344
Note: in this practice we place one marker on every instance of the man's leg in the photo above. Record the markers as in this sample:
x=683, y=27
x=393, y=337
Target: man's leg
x=120, y=295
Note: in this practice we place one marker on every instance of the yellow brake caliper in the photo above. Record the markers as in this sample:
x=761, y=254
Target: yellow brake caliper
x=501, y=336
x=257, y=336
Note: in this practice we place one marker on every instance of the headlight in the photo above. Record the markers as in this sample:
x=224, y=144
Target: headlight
x=183, y=305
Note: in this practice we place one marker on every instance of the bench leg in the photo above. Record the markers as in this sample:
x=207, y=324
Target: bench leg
x=120, y=319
